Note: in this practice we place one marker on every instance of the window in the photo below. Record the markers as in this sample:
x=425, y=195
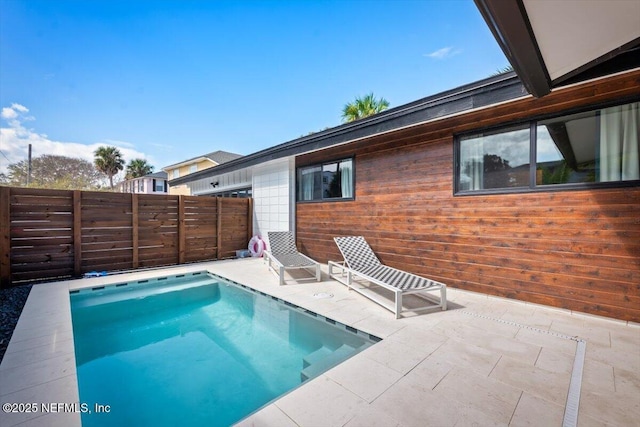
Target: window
x=241, y=193
x=328, y=181
x=592, y=147
x=597, y=146
x=159, y=185
x=494, y=160
x=141, y=186
x=193, y=168
x=176, y=173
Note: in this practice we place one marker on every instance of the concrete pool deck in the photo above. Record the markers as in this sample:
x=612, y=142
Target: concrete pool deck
x=485, y=361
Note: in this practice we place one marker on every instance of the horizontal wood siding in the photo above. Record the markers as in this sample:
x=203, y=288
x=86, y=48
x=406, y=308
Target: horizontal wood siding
x=41, y=234
x=157, y=230
x=235, y=225
x=578, y=250
x=48, y=234
x=201, y=236
x=106, y=231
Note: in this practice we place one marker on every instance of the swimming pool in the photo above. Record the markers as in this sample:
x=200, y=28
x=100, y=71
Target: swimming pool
x=195, y=349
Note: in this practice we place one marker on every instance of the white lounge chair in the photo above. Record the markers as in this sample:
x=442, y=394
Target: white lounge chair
x=284, y=255
x=360, y=261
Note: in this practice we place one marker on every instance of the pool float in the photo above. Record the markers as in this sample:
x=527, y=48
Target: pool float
x=257, y=246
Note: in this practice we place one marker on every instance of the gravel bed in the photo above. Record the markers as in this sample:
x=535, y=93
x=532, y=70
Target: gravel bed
x=11, y=302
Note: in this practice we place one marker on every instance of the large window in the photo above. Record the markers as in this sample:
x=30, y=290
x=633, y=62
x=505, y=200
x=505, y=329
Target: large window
x=327, y=181
x=241, y=193
x=591, y=147
x=494, y=160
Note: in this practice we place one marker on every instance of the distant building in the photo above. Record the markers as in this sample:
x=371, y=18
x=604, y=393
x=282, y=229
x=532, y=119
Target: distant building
x=196, y=164
x=155, y=183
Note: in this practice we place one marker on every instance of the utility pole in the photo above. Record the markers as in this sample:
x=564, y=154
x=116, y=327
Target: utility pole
x=29, y=168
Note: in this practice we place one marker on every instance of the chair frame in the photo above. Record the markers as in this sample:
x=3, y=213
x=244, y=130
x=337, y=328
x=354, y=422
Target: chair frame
x=348, y=276
x=272, y=261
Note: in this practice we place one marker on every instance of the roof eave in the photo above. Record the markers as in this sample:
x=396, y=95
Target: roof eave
x=480, y=94
x=186, y=162
x=509, y=23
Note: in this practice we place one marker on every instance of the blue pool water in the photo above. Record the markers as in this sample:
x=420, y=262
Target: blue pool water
x=195, y=350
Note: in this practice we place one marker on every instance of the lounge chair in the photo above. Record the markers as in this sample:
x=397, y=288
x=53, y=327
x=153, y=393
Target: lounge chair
x=284, y=255
x=360, y=261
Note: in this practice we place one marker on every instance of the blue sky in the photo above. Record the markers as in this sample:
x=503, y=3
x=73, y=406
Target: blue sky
x=169, y=80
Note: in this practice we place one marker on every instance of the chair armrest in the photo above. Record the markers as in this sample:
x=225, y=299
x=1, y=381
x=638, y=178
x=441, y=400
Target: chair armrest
x=341, y=265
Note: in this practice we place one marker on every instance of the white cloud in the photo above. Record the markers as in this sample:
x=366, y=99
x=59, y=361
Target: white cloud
x=445, y=52
x=15, y=140
x=9, y=113
x=12, y=113
x=20, y=108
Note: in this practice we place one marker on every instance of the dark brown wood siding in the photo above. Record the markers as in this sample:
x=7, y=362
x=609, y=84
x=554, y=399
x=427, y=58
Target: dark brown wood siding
x=575, y=249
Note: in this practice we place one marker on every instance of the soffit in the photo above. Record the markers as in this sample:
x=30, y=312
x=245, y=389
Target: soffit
x=573, y=34
x=556, y=43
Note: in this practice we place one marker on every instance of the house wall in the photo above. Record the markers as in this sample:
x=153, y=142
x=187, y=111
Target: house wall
x=225, y=182
x=180, y=190
x=148, y=186
x=184, y=171
x=273, y=196
x=126, y=186
x=272, y=185
x=578, y=249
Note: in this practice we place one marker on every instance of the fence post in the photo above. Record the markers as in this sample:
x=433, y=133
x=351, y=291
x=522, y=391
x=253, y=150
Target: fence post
x=182, y=237
x=249, y=219
x=219, y=227
x=77, y=233
x=5, y=237
x=134, y=231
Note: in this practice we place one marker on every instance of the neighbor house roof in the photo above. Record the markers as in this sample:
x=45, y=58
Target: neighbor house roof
x=490, y=91
x=219, y=157
x=160, y=175
x=157, y=175
x=551, y=44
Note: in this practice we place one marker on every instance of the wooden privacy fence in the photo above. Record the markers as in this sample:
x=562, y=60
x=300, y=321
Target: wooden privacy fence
x=50, y=234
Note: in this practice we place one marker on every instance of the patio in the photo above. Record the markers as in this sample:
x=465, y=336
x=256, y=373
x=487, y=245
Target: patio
x=485, y=361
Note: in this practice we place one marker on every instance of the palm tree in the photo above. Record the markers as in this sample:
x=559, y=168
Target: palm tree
x=363, y=107
x=137, y=168
x=109, y=161
x=502, y=70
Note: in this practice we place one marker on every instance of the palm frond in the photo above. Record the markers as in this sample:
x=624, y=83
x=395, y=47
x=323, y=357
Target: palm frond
x=363, y=107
